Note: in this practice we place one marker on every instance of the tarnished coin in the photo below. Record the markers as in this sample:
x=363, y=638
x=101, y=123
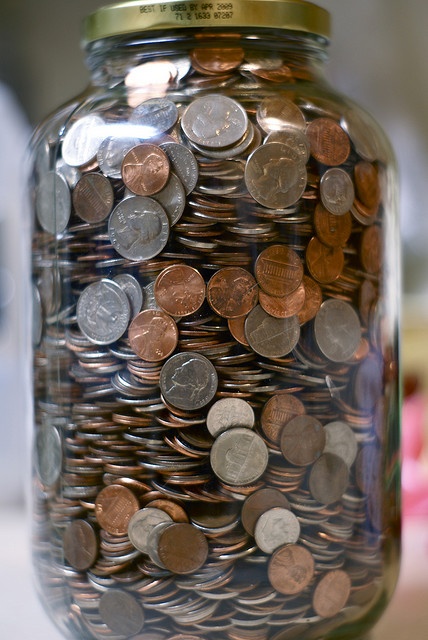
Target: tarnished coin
x=228, y=413
x=188, y=381
x=93, y=197
x=142, y=523
x=121, y=612
x=145, y=169
x=276, y=113
x=337, y=191
x=331, y=229
x=328, y=479
x=324, y=263
x=371, y=249
x=275, y=175
x=214, y=121
x=82, y=140
x=269, y=336
x=133, y=290
x=138, y=228
x=302, y=440
x=279, y=270
x=179, y=290
x=172, y=198
x=53, y=202
x=153, y=335
x=277, y=412
x=337, y=330
x=111, y=153
x=330, y=144
x=257, y=503
x=331, y=593
x=215, y=60
x=276, y=527
x=182, y=548
x=291, y=569
x=48, y=454
x=154, y=117
x=284, y=306
x=239, y=456
x=114, y=507
x=183, y=164
x=367, y=186
x=294, y=138
x=80, y=545
x=103, y=312
x=341, y=440
x=232, y=292
x=313, y=300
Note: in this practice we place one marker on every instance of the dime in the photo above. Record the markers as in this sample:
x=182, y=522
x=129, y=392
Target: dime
x=276, y=113
x=142, y=523
x=179, y=290
x=232, y=292
x=182, y=548
x=114, y=507
x=145, y=169
x=279, y=270
x=103, y=312
x=138, y=228
x=188, y=381
x=153, y=335
x=228, y=413
x=337, y=191
x=337, y=330
x=53, y=203
x=329, y=142
x=331, y=593
x=121, y=612
x=302, y=440
x=172, y=198
x=291, y=569
x=341, y=440
x=183, y=164
x=276, y=527
x=93, y=198
x=132, y=288
x=271, y=337
x=111, y=153
x=239, y=456
x=259, y=502
x=277, y=412
x=82, y=140
x=154, y=117
x=48, y=454
x=214, y=121
x=325, y=263
x=80, y=545
x=328, y=478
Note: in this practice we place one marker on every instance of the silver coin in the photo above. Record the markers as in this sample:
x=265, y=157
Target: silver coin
x=53, y=202
x=142, y=523
x=149, y=298
x=228, y=413
x=276, y=527
x=183, y=164
x=275, y=113
x=328, y=479
x=239, y=456
x=154, y=116
x=275, y=175
x=337, y=191
x=103, y=312
x=172, y=198
x=337, y=330
x=341, y=440
x=48, y=454
x=36, y=316
x=188, y=381
x=81, y=142
x=121, y=612
x=133, y=290
x=214, y=121
x=138, y=228
x=293, y=138
x=269, y=336
x=153, y=542
x=111, y=153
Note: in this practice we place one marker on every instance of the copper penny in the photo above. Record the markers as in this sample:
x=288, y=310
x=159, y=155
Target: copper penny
x=367, y=184
x=302, y=440
x=80, y=544
x=279, y=270
x=145, y=169
x=283, y=306
x=237, y=329
x=331, y=593
x=232, y=292
x=213, y=60
x=182, y=548
x=291, y=568
x=325, y=263
x=371, y=249
x=153, y=335
x=330, y=144
x=277, y=412
x=179, y=290
x=313, y=300
x=259, y=502
x=114, y=507
x=174, y=510
x=93, y=197
x=332, y=230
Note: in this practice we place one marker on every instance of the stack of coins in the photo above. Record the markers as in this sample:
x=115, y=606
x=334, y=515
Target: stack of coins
x=210, y=374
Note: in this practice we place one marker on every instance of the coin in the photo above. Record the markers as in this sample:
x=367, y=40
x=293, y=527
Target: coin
x=302, y=440
x=154, y=116
x=293, y=138
x=341, y=440
x=153, y=335
x=48, y=454
x=291, y=569
x=228, y=413
x=111, y=153
x=214, y=121
x=337, y=330
x=331, y=229
x=80, y=545
x=182, y=548
x=183, y=164
x=275, y=113
x=114, y=507
x=141, y=524
x=367, y=184
x=313, y=299
x=215, y=60
x=279, y=270
x=277, y=412
x=103, y=312
x=371, y=249
x=284, y=306
x=188, y=381
x=329, y=142
x=132, y=289
x=232, y=292
x=121, y=612
x=271, y=337
x=180, y=290
x=337, y=191
x=53, y=203
x=257, y=503
x=93, y=197
x=331, y=593
x=324, y=263
x=275, y=527
x=82, y=140
x=172, y=198
x=239, y=456
x=145, y=169
x=328, y=479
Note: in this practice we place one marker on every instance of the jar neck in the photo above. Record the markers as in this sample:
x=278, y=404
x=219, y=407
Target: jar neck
x=112, y=59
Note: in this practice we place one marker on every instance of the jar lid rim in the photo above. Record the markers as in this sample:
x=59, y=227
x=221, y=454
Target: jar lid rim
x=142, y=15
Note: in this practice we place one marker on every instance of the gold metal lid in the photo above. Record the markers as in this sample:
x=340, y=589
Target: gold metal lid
x=137, y=16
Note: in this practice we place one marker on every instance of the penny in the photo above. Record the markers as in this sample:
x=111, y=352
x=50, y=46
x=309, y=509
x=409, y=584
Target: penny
x=332, y=230
x=276, y=113
x=284, y=306
x=331, y=593
x=121, y=612
x=82, y=140
x=153, y=335
x=215, y=60
x=239, y=456
x=367, y=185
x=93, y=197
x=324, y=263
x=53, y=203
x=214, y=121
x=313, y=300
x=291, y=569
x=277, y=412
x=174, y=510
x=188, y=381
x=329, y=142
x=103, y=312
x=328, y=479
x=337, y=191
x=145, y=169
x=259, y=502
x=141, y=524
x=179, y=290
x=80, y=545
x=337, y=330
x=132, y=289
x=274, y=528
x=302, y=440
x=341, y=440
x=237, y=329
x=114, y=507
x=182, y=548
x=279, y=270
x=371, y=249
x=232, y=292
x=269, y=336
x=228, y=413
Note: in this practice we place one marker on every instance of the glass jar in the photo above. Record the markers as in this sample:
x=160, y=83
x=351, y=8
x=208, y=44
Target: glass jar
x=215, y=292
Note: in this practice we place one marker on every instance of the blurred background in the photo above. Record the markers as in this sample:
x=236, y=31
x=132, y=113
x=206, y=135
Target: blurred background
x=377, y=57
